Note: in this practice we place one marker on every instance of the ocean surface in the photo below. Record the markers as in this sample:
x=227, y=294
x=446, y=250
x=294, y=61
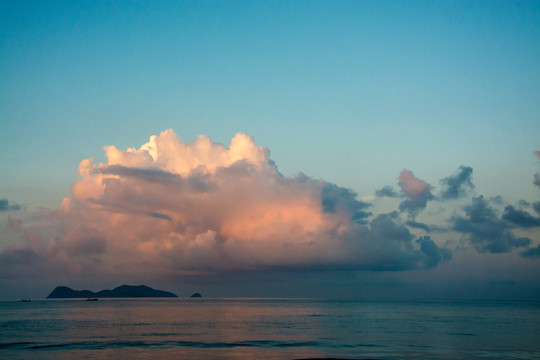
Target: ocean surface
x=268, y=329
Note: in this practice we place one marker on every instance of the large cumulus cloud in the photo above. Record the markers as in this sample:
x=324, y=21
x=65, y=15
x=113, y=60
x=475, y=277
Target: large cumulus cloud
x=200, y=207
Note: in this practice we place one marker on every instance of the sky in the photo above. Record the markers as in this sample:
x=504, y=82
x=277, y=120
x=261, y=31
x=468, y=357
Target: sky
x=353, y=149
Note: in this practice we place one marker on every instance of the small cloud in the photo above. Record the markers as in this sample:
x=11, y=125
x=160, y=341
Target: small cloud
x=418, y=225
x=519, y=217
x=387, y=231
x=497, y=200
x=536, y=206
x=417, y=191
x=536, y=180
x=336, y=198
x=487, y=233
x=532, y=253
x=433, y=252
x=160, y=216
x=458, y=184
x=386, y=191
x=524, y=203
x=5, y=206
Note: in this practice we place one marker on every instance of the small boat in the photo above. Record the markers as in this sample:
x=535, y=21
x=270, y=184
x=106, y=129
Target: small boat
x=91, y=299
x=25, y=300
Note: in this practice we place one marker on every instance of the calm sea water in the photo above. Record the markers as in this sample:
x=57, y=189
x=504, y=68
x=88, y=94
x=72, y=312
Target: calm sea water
x=268, y=329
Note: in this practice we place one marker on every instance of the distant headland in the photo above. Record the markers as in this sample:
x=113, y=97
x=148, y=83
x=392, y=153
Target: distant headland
x=123, y=291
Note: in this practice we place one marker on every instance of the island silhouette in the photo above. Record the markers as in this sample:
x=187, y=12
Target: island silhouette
x=123, y=291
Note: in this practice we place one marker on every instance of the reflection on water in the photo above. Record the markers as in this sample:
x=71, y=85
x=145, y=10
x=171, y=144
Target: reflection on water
x=268, y=328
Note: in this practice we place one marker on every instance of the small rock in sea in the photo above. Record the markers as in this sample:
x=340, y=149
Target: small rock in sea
x=196, y=295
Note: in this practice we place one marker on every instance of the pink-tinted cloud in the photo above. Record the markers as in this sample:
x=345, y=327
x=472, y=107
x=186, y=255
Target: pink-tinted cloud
x=418, y=193
x=536, y=180
x=173, y=208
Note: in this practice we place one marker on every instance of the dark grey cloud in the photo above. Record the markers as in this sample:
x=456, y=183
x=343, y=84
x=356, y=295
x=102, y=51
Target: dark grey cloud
x=434, y=254
x=416, y=205
x=396, y=242
x=536, y=207
x=519, y=217
x=336, y=198
x=387, y=191
x=458, y=184
x=5, y=206
x=487, y=233
x=418, y=225
x=160, y=216
x=523, y=203
x=497, y=200
x=532, y=253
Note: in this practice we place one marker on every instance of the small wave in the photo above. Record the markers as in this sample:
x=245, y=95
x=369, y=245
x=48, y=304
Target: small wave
x=21, y=344
x=100, y=345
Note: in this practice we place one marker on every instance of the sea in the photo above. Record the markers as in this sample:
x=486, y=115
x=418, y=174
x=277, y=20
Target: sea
x=204, y=328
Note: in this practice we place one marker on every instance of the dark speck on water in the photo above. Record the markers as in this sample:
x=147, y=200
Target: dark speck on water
x=175, y=328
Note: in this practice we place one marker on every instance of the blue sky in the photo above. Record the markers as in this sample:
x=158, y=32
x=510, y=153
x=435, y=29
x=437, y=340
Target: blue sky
x=351, y=92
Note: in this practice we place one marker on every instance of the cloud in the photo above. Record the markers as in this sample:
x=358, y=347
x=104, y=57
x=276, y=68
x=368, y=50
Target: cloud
x=172, y=208
x=335, y=199
x=433, y=252
x=458, y=184
x=418, y=225
x=417, y=191
x=536, y=180
x=532, y=253
x=487, y=233
x=5, y=206
x=519, y=217
x=387, y=235
x=386, y=191
x=160, y=216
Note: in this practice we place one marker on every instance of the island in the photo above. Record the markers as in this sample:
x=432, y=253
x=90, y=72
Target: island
x=123, y=291
x=196, y=295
